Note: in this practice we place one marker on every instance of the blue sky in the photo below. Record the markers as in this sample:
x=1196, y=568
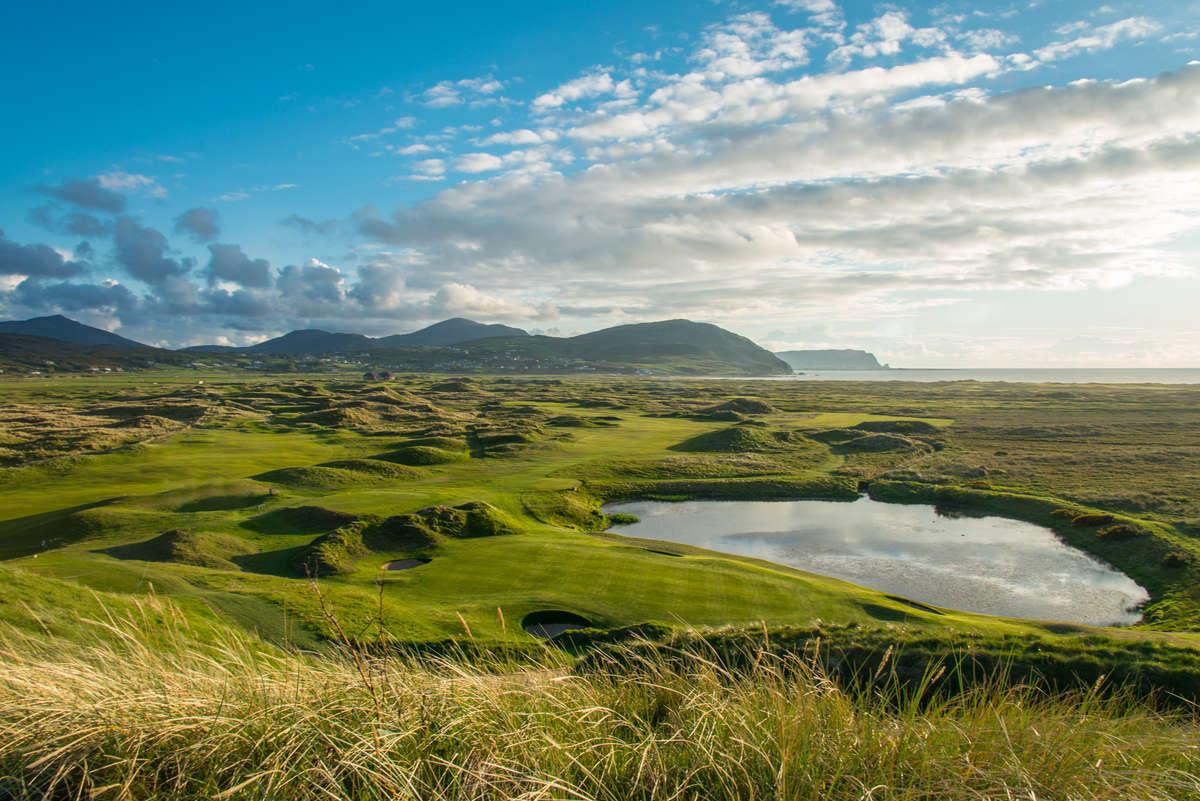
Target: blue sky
x=966, y=184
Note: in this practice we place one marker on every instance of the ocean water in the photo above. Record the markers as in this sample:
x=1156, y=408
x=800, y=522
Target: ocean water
x=991, y=565
x=1050, y=375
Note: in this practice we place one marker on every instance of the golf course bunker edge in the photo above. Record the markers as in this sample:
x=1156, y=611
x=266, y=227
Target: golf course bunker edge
x=405, y=564
x=547, y=624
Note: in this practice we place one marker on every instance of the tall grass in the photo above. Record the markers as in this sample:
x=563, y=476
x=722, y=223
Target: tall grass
x=138, y=714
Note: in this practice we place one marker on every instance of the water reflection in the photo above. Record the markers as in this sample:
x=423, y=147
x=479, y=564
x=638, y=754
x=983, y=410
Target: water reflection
x=979, y=564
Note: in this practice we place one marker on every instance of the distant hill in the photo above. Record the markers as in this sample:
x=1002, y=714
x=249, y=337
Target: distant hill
x=454, y=331
x=24, y=353
x=830, y=360
x=65, y=329
x=669, y=346
x=312, y=340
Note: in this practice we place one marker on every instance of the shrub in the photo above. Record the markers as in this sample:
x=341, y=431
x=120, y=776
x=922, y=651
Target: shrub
x=1068, y=514
x=1093, y=519
x=1121, y=531
x=622, y=519
x=1176, y=559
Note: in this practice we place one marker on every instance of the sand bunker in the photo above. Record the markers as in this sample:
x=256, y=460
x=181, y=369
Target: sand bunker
x=405, y=564
x=548, y=624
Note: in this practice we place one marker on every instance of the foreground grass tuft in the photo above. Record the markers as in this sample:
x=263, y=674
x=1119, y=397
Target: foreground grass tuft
x=123, y=715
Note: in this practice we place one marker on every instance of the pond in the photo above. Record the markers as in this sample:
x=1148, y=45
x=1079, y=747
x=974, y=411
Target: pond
x=991, y=565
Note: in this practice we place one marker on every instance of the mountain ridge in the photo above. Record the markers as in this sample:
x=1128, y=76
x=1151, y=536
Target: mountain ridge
x=64, y=329
x=662, y=347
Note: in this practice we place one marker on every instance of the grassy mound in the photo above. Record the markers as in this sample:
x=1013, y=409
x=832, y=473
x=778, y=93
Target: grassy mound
x=742, y=406
x=735, y=439
x=373, y=468
x=567, y=509
x=835, y=436
x=354, y=417
x=897, y=427
x=422, y=455
x=441, y=441
x=202, y=549
x=880, y=443
x=747, y=449
x=313, y=477
x=224, y=503
x=299, y=520
x=337, y=551
x=333, y=553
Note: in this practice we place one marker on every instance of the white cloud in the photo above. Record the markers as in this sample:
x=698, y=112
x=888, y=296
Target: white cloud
x=590, y=85
x=412, y=150
x=1104, y=37
x=884, y=36
x=398, y=124
x=121, y=181
x=464, y=300
x=852, y=210
x=691, y=101
x=825, y=13
x=523, y=136
x=478, y=162
x=452, y=93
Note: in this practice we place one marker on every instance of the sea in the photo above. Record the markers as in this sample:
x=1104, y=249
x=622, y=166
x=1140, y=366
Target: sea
x=1048, y=375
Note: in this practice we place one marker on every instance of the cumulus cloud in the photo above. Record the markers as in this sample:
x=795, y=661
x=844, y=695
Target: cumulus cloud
x=77, y=223
x=88, y=193
x=144, y=253
x=108, y=298
x=730, y=179
x=313, y=288
x=478, y=162
x=230, y=263
x=964, y=196
x=200, y=224
x=884, y=36
x=464, y=300
x=36, y=261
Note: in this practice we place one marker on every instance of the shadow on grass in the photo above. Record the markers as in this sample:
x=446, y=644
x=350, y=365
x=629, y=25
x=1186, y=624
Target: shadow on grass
x=23, y=536
x=224, y=503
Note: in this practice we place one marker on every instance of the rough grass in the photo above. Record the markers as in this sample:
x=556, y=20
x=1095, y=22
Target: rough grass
x=125, y=717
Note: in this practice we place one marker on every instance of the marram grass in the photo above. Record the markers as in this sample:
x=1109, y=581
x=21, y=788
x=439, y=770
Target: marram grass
x=138, y=714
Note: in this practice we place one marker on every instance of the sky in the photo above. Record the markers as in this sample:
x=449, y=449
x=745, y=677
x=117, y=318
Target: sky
x=963, y=184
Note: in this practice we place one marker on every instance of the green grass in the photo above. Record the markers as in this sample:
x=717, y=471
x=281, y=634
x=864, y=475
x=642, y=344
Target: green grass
x=136, y=708
x=155, y=577
x=492, y=442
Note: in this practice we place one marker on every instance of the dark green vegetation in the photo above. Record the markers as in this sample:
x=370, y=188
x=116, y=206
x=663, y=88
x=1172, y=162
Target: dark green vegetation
x=429, y=516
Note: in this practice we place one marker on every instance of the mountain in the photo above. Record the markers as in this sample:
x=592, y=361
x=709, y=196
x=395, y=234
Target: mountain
x=23, y=353
x=703, y=345
x=830, y=360
x=312, y=340
x=454, y=331
x=669, y=346
x=65, y=329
